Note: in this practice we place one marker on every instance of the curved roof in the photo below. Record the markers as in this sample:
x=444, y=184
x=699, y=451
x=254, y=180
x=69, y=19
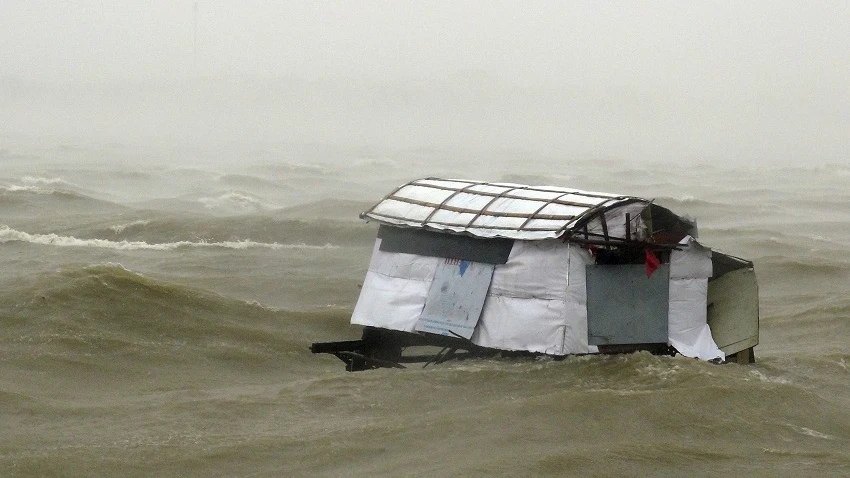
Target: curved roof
x=483, y=209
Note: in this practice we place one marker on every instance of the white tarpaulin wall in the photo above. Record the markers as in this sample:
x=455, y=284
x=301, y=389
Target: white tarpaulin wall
x=394, y=290
x=690, y=269
x=537, y=301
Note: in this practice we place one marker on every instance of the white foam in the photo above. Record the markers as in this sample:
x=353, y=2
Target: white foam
x=44, y=181
x=234, y=201
x=119, y=228
x=12, y=188
x=8, y=234
x=764, y=378
x=810, y=432
x=115, y=265
x=36, y=185
x=663, y=371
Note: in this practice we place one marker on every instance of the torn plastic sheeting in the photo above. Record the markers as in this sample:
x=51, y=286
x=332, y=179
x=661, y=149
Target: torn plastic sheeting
x=692, y=262
x=688, y=329
x=615, y=220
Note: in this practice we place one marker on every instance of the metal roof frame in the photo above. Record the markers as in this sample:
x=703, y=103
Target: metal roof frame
x=411, y=205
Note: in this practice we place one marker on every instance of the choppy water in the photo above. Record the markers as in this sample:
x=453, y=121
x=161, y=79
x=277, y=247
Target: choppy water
x=156, y=308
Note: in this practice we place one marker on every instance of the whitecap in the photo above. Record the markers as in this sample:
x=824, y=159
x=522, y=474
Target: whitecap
x=44, y=181
x=119, y=228
x=810, y=432
x=764, y=378
x=8, y=234
x=12, y=188
x=234, y=200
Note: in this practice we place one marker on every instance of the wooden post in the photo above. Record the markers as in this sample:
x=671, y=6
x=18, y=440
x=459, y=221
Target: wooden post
x=604, y=228
x=743, y=357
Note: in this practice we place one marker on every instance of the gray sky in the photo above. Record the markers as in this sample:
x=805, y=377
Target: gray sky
x=654, y=79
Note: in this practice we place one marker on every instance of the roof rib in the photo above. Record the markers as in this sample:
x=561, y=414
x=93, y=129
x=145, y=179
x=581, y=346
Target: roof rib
x=511, y=210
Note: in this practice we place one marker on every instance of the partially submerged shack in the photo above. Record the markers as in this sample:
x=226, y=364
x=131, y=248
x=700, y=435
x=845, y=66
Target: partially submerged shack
x=477, y=267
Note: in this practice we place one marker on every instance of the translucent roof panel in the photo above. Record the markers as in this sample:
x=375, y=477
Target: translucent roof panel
x=483, y=209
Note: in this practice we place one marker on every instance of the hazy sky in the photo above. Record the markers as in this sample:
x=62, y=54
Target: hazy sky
x=631, y=42
x=762, y=78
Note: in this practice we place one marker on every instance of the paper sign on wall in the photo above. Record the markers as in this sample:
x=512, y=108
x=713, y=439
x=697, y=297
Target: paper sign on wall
x=456, y=298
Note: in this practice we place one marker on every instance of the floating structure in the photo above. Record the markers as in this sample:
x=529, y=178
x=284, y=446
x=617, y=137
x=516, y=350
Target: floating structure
x=479, y=268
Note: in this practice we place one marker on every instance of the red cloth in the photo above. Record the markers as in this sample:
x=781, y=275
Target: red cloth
x=652, y=263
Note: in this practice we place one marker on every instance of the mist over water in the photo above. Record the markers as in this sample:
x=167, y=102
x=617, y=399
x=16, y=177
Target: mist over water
x=180, y=184
x=733, y=83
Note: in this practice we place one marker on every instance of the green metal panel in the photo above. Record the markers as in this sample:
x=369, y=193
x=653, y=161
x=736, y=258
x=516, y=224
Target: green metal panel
x=624, y=306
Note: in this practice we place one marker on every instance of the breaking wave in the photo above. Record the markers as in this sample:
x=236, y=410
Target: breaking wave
x=8, y=234
x=129, y=314
x=804, y=267
x=336, y=209
x=248, y=181
x=45, y=181
x=41, y=186
x=294, y=227
x=42, y=192
x=119, y=228
x=235, y=201
x=687, y=200
x=31, y=189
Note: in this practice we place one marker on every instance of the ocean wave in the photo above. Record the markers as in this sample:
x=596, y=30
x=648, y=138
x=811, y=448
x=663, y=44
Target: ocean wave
x=803, y=266
x=45, y=181
x=832, y=169
x=248, y=181
x=42, y=191
x=769, y=241
x=41, y=203
x=84, y=317
x=830, y=313
x=378, y=163
x=687, y=200
x=8, y=234
x=119, y=228
x=824, y=239
x=327, y=208
x=295, y=227
x=809, y=432
x=12, y=188
x=288, y=169
x=39, y=185
x=235, y=201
